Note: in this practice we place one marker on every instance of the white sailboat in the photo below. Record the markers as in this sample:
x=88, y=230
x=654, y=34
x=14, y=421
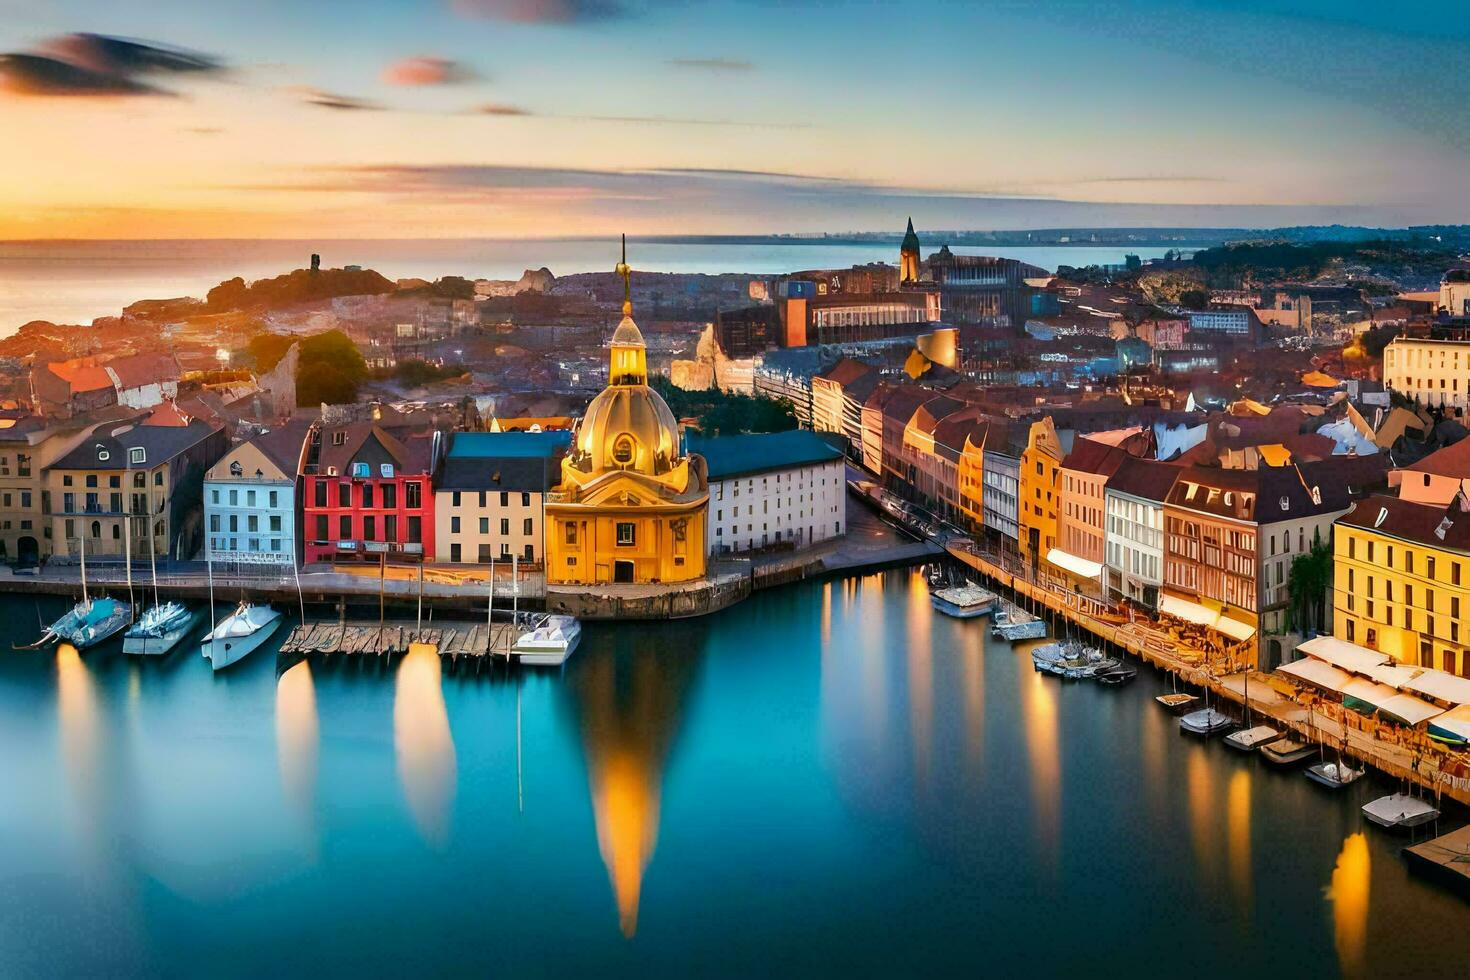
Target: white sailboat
x=164, y=624
x=239, y=634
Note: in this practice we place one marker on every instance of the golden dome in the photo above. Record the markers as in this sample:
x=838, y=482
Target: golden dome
x=627, y=427
x=627, y=334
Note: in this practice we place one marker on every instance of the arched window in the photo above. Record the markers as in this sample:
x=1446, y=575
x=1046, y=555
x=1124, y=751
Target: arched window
x=116, y=532
x=623, y=449
x=96, y=529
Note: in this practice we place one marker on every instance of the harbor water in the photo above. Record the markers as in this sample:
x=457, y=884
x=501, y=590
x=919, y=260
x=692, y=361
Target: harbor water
x=828, y=777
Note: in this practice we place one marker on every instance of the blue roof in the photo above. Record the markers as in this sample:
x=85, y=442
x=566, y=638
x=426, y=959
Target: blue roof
x=732, y=456
x=508, y=445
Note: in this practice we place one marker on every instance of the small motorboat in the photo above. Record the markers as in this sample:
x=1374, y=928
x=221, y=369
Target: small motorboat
x=963, y=601
x=1178, y=701
x=238, y=634
x=1012, y=624
x=550, y=643
x=160, y=629
x=1250, y=739
x=1286, y=751
x=1116, y=676
x=1047, y=658
x=1334, y=775
x=1400, y=810
x=1205, y=722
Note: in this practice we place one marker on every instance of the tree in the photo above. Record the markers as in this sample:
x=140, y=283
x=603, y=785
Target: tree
x=1194, y=299
x=1307, y=583
x=722, y=413
x=330, y=368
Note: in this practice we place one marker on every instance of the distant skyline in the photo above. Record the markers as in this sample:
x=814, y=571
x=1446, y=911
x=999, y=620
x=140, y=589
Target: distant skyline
x=505, y=118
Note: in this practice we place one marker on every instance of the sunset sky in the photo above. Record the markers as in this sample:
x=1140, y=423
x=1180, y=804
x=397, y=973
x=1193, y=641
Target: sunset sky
x=449, y=118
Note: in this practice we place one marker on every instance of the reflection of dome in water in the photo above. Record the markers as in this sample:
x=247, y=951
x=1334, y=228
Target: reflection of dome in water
x=628, y=425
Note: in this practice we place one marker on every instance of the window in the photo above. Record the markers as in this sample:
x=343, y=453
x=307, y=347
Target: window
x=571, y=533
x=504, y=526
x=415, y=528
x=234, y=498
x=390, y=495
x=484, y=525
x=454, y=525
x=390, y=527
x=487, y=554
x=527, y=527
x=236, y=469
x=319, y=495
x=367, y=494
x=454, y=552
x=525, y=499
x=627, y=534
x=275, y=523
x=252, y=523
x=344, y=495
x=141, y=480
x=369, y=527
x=504, y=498
x=412, y=495
x=623, y=450
x=321, y=527
x=344, y=527
x=361, y=471
x=339, y=438
x=455, y=497
x=214, y=523
x=386, y=470
x=275, y=502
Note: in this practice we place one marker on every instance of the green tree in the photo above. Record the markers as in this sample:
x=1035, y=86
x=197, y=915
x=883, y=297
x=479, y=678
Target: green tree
x=1307, y=583
x=330, y=368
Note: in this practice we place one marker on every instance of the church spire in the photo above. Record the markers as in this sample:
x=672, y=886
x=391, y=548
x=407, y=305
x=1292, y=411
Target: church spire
x=623, y=269
x=908, y=256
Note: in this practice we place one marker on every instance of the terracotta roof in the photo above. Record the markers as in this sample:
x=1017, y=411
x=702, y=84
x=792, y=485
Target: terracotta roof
x=81, y=374
x=142, y=369
x=1145, y=479
x=1090, y=456
x=1452, y=461
x=846, y=371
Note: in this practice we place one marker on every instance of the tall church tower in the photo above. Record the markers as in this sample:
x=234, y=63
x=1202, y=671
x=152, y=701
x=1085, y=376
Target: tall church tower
x=908, y=256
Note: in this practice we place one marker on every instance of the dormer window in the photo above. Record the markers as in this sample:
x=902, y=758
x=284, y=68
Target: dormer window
x=138, y=455
x=236, y=469
x=103, y=455
x=1382, y=516
x=339, y=438
x=331, y=471
x=361, y=471
x=1286, y=503
x=386, y=470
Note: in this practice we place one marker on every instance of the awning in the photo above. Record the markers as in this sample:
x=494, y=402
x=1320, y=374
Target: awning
x=1080, y=567
x=1393, y=674
x=1234, y=628
x=1191, y=612
x=1340, y=653
x=1365, y=690
x=1317, y=673
x=1409, y=709
x=1441, y=686
x=1456, y=721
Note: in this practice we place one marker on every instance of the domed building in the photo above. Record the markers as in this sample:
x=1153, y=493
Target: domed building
x=631, y=506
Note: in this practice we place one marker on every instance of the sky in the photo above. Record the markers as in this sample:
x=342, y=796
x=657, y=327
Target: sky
x=516, y=118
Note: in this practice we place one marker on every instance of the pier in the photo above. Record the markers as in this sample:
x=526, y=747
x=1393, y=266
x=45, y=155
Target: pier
x=453, y=640
x=1445, y=858
x=1399, y=755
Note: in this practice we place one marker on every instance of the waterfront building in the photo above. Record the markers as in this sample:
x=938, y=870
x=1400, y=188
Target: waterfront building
x=951, y=436
x=1434, y=373
x=1082, y=480
x=367, y=491
x=1401, y=580
x=1038, y=492
x=250, y=499
x=1001, y=477
x=1230, y=537
x=490, y=495
x=979, y=289
x=1134, y=535
x=153, y=471
x=838, y=396
x=631, y=506
x=779, y=489
x=927, y=473
x=813, y=314
x=897, y=411
x=971, y=474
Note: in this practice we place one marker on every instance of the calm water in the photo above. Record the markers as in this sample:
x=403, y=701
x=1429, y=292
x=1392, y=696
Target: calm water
x=75, y=282
x=826, y=778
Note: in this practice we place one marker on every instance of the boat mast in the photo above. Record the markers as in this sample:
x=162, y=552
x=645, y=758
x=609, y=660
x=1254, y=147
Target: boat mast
x=515, y=604
x=128, y=556
x=82, y=544
x=209, y=568
x=153, y=560
x=490, y=612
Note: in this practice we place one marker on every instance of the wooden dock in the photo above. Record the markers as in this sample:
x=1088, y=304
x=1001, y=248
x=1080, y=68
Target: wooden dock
x=1445, y=858
x=453, y=640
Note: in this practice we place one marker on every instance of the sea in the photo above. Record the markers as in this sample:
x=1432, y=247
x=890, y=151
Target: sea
x=828, y=779
x=78, y=281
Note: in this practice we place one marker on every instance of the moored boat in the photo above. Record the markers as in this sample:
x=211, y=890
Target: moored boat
x=1012, y=624
x=1116, y=676
x=1047, y=658
x=90, y=622
x=1286, y=752
x=1178, y=701
x=1206, y=722
x=1251, y=739
x=239, y=633
x=1400, y=810
x=550, y=643
x=963, y=601
x=160, y=629
x=1334, y=775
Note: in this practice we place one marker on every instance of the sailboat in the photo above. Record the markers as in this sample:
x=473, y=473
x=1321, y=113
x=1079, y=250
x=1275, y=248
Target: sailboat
x=163, y=625
x=90, y=621
x=239, y=633
x=1251, y=737
x=1335, y=775
x=1206, y=721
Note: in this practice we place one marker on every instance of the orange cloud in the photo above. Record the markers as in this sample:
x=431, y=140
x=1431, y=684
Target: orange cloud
x=427, y=70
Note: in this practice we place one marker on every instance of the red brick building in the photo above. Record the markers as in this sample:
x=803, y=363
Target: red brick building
x=366, y=491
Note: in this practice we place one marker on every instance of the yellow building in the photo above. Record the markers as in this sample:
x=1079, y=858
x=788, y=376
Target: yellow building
x=971, y=470
x=1401, y=581
x=1041, y=464
x=631, y=506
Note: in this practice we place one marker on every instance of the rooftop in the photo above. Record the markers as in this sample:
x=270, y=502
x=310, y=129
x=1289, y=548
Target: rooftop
x=509, y=445
x=732, y=456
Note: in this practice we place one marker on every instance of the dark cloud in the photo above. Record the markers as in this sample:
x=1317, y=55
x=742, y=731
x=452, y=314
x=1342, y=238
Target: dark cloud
x=498, y=109
x=428, y=70
x=542, y=11
x=331, y=100
x=97, y=65
x=711, y=64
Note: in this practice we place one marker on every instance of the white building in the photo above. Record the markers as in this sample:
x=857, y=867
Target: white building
x=1002, y=476
x=250, y=500
x=1435, y=373
x=785, y=489
x=1134, y=529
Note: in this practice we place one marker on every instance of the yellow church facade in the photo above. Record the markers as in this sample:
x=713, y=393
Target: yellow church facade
x=631, y=507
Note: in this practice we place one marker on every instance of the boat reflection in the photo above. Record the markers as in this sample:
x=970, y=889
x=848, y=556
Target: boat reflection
x=81, y=745
x=427, y=768
x=918, y=621
x=1039, y=714
x=298, y=739
x=1348, y=894
x=629, y=704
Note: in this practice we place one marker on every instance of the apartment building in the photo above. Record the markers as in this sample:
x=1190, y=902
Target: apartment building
x=250, y=500
x=1434, y=373
x=1134, y=534
x=780, y=489
x=490, y=497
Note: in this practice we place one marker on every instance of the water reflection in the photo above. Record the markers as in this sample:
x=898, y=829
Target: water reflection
x=1348, y=894
x=1039, y=713
x=81, y=745
x=426, y=762
x=1238, y=837
x=918, y=620
x=629, y=704
x=298, y=739
x=1201, y=795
